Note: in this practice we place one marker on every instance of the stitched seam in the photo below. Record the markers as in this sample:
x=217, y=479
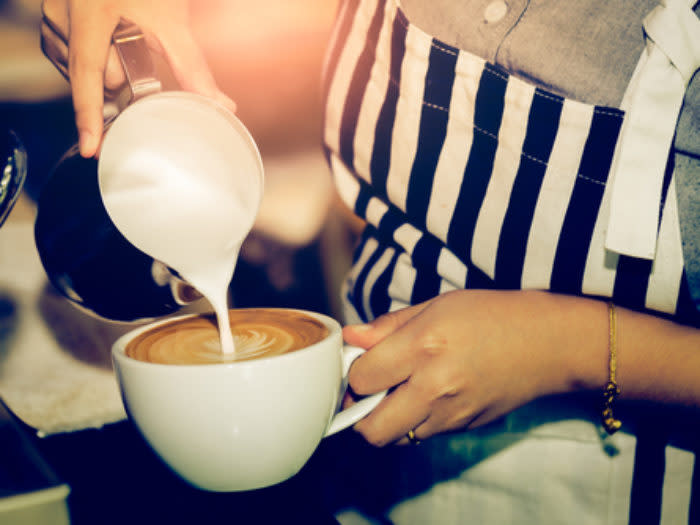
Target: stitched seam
x=505, y=77
x=443, y=49
x=522, y=153
x=596, y=109
x=495, y=72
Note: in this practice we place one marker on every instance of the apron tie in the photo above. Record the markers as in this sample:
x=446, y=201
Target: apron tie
x=652, y=103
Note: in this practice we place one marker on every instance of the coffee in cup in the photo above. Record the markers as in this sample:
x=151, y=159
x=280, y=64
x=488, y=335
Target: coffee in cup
x=232, y=425
x=256, y=333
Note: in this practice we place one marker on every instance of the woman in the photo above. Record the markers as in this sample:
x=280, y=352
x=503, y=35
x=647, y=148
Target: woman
x=491, y=148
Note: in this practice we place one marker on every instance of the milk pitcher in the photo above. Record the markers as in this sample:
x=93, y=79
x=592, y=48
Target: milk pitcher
x=83, y=243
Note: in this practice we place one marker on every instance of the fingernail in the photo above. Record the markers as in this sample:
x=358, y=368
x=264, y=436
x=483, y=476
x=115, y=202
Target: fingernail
x=360, y=327
x=86, y=141
x=226, y=102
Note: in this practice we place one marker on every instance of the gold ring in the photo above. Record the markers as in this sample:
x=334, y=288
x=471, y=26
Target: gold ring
x=412, y=437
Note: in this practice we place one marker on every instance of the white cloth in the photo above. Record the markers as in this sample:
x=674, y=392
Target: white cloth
x=652, y=102
x=55, y=365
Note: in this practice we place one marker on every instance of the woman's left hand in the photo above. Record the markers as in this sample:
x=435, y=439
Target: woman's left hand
x=468, y=357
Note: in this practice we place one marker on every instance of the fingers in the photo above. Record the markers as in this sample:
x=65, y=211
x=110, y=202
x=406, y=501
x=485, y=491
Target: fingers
x=413, y=358
x=368, y=335
x=392, y=354
x=114, y=74
x=91, y=63
x=392, y=360
x=190, y=67
x=88, y=50
x=391, y=420
x=55, y=49
x=428, y=402
x=55, y=12
x=423, y=406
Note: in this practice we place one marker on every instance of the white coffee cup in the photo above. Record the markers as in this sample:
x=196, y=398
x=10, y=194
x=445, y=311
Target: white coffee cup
x=246, y=424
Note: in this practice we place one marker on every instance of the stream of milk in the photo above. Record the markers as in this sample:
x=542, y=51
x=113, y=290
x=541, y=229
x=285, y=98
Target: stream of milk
x=194, y=229
x=187, y=196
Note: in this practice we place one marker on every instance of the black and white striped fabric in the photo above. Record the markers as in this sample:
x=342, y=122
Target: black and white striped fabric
x=471, y=178
x=468, y=177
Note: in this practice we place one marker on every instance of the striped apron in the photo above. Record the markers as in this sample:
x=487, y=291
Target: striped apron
x=468, y=177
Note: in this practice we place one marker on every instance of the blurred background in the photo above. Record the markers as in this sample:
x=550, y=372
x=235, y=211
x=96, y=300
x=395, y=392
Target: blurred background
x=268, y=57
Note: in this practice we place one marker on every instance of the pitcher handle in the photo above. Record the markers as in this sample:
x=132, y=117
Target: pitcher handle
x=136, y=60
x=131, y=48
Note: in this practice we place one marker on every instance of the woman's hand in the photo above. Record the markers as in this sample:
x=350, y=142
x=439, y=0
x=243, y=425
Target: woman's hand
x=92, y=62
x=468, y=357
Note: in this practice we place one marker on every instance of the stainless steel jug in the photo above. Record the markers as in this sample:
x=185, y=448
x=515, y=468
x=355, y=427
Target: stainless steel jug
x=85, y=256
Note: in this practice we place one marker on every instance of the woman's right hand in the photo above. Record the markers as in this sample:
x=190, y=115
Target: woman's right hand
x=92, y=63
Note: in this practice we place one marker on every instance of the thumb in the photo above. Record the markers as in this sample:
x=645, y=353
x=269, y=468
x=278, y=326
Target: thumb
x=190, y=67
x=369, y=334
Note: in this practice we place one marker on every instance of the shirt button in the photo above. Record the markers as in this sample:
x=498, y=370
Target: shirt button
x=495, y=11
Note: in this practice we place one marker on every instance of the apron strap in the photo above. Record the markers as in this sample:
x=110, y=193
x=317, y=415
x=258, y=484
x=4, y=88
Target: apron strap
x=652, y=103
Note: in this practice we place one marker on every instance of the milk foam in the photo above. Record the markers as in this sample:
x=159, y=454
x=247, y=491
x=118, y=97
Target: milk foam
x=182, y=179
x=257, y=333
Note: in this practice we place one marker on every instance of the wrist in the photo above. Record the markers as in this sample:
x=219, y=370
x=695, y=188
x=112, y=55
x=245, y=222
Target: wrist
x=578, y=343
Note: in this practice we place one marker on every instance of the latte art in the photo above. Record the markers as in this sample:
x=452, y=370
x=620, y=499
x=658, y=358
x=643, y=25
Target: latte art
x=256, y=332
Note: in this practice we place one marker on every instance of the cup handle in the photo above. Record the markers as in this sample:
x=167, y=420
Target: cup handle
x=353, y=414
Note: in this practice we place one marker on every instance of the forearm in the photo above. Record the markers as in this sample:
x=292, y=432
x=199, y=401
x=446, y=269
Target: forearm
x=468, y=357
x=657, y=359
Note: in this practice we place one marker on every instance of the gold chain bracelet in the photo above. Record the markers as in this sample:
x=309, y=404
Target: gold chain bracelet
x=612, y=390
